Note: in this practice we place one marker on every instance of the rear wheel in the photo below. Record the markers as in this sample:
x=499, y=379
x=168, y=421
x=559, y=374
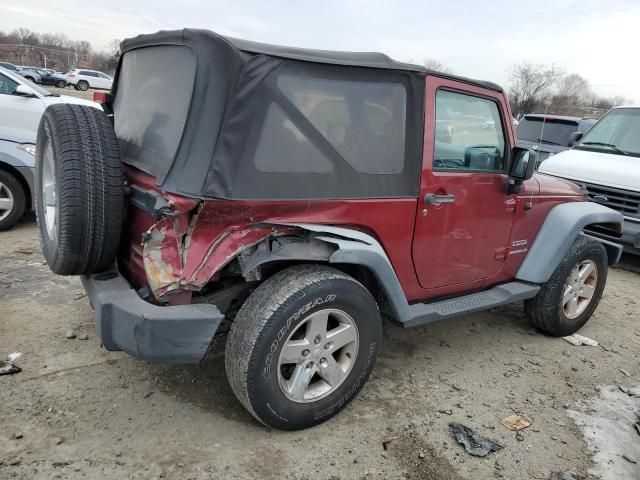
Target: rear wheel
x=79, y=189
x=83, y=85
x=61, y=84
x=302, y=346
x=13, y=200
x=567, y=301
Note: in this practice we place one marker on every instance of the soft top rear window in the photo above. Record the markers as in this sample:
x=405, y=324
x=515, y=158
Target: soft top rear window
x=554, y=131
x=153, y=97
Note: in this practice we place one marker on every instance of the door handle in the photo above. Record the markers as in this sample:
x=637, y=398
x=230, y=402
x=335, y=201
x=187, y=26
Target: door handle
x=431, y=198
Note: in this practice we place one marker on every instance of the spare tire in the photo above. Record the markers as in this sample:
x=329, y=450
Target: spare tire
x=79, y=189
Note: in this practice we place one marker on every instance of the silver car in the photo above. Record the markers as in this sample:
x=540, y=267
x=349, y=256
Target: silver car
x=30, y=74
x=17, y=166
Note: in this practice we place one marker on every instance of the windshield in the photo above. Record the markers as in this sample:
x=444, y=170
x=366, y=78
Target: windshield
x=618, y=132
x=546, y=130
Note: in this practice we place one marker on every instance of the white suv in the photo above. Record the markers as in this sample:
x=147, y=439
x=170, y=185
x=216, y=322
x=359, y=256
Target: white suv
x=22, y=104
x=606, y=161
x=83, y=79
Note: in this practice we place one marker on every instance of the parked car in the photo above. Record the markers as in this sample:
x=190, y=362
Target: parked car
x=49, y=77
x=82, y=79
x=22, y=104
x=29, y=73
x=9, y=66
x=17, y=166
x=605, y=162
x=299, y=195
x=550, y=134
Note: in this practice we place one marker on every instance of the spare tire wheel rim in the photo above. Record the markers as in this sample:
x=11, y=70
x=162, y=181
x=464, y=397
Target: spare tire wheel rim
x=49, y=191
x=6, y=201
x=318, y=356
x=579, y=289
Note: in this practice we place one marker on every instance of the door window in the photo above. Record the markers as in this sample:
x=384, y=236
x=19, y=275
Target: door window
x=468, y=134
x=7, y=86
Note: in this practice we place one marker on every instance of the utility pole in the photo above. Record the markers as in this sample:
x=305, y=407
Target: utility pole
x=45, y=59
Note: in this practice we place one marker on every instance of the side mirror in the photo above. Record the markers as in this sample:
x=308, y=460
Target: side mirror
x=575, y=138
x=24, y=91
x=523, y=164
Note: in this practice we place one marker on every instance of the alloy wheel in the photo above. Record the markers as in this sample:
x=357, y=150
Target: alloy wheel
x=7, y=201
x=49, y=191
x=579, y=289
x=318, y=356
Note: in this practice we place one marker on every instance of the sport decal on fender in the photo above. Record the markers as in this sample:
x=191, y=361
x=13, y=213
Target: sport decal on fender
x=519, y=243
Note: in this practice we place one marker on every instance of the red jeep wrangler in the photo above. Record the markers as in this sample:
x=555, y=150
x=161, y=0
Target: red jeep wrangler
x=292, y=198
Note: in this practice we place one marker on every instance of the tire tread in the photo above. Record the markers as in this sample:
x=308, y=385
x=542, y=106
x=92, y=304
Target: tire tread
x=89, y=183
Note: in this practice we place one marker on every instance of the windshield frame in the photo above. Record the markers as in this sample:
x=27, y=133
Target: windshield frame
x=603, y=148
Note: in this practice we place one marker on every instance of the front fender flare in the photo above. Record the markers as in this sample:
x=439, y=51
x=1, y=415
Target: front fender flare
x=559, y=230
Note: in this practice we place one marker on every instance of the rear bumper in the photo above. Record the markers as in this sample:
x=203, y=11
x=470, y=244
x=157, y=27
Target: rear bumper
x=124, y=321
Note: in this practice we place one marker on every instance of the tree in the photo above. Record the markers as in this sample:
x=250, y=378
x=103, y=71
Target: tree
x=437, y=65
x=572, y=94
x=531, y=86
x=114, y=47
x=23, y=34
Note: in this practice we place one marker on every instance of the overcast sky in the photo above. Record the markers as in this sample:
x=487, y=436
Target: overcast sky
x=594, y=38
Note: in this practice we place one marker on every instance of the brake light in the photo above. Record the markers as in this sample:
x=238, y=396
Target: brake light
x=71, y=75
x=102, y=98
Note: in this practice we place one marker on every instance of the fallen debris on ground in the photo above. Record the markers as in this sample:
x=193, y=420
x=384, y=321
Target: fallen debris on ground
x=8, y=368
x=516, y=422
x=474, y=443
x=578, y=340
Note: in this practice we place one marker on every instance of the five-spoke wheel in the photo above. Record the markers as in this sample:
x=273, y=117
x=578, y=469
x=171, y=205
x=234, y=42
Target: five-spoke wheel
x=568, y=299
x=302, y=346
x=579, y=289
x=318, y=355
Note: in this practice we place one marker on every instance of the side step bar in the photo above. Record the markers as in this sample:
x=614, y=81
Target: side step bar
x=423, y=313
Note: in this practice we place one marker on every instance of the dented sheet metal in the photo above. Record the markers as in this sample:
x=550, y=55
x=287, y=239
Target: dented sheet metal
x=220, y=251
x=177, y=256
x=162, y=247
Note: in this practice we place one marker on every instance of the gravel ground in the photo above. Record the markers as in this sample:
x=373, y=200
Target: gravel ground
x=78, y=411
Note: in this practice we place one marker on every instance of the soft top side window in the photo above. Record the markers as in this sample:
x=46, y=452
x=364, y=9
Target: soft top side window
x=364, y=121
x=468, y=133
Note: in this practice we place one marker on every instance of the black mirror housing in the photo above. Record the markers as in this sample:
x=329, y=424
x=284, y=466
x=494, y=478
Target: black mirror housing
x=575, y=138
x=523, y=166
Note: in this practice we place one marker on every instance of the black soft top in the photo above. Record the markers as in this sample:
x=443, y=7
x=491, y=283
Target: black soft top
x=219, y=117
x=354, y=59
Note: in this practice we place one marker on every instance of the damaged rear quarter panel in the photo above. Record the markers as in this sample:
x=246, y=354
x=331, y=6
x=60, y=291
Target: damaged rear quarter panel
x=162, y=254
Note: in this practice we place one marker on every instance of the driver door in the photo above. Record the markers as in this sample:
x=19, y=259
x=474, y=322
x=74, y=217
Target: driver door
x=464, y=214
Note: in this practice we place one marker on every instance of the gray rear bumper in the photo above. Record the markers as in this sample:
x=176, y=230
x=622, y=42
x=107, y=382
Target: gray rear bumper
x=124, y=321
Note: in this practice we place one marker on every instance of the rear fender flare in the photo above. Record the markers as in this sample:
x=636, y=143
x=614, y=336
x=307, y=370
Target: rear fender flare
x=559, y=230
x=348, y=246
